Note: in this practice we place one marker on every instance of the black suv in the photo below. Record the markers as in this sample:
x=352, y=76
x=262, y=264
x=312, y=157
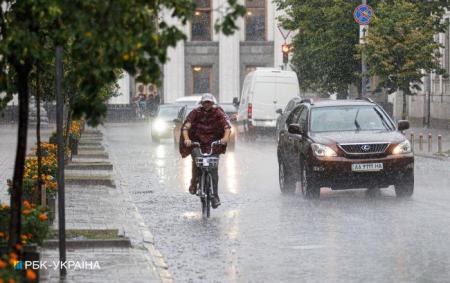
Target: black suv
x=344, y=144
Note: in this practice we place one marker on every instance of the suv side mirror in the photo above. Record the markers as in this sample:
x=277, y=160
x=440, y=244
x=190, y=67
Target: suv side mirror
x=403, y=125
x=295, y=129
x=235, y=101
x=279, y=111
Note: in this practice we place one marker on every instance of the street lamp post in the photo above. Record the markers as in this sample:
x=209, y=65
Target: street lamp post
x=363, y=62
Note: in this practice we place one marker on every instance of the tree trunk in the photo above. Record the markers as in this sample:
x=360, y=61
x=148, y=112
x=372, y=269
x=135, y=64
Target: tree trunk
x=342, y=94
x=68, y=126
x=16, y=192
x=41, y=194
x=404, y=110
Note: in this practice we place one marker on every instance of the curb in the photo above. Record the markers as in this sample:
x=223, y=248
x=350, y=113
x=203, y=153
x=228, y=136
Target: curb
x=431, y=156
x=92, y=243
x=88, y=155
x=157, y=259
x=89, y=166
x=88, y=180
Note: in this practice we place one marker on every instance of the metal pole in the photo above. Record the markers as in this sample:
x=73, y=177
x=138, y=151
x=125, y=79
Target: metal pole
x=61, y=147
x=363, y=66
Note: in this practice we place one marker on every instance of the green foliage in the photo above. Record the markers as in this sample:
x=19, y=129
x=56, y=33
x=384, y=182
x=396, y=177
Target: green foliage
x=100, y=38
x=324, y=44
x=400, y=45
x=327, y=38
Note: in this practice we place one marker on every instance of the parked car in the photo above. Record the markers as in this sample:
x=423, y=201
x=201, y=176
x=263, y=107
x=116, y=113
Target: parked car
x=163, y=124
x=344, y=144
x=264, y=91
x=283, y=114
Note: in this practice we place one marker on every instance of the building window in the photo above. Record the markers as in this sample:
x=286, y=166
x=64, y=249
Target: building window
x=255, y=20
x=201, y=23
x=201, y=79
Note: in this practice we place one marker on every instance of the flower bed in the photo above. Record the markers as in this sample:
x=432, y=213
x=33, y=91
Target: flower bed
x=35, y=228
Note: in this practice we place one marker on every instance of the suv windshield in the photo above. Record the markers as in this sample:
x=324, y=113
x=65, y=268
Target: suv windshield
x=348, y=118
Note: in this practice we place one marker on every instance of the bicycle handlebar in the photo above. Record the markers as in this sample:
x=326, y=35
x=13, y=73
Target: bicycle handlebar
x=214, y=143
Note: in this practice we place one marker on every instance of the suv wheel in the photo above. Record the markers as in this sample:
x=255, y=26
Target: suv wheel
x=308, y=188
x=287, y=184
x=405, y=186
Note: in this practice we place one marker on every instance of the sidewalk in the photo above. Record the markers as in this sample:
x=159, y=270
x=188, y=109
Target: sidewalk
x=435, y=132
x=8, y=144
x=97, y=207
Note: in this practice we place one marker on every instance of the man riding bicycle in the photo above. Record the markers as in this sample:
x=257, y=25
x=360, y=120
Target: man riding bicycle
x=204, y=125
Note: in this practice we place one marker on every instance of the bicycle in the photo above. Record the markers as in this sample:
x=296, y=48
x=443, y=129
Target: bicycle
x=206, y=163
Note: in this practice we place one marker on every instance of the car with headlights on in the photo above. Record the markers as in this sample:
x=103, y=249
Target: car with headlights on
x=163, y=124
x=344, y=144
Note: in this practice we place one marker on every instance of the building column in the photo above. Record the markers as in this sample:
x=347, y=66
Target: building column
x=229, y=83
x=174, y=77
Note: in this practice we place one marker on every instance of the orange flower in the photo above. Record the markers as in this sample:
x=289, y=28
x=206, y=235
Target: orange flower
x=18, y=247
x=26, y=204
x=2, y=264
x=26, y=212
x=11, y=280
x=24, y=237
x=31, y=275
x=43, y=217
x=2, y=234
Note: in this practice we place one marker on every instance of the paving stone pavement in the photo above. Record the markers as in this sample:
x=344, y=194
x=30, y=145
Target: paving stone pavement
x=89, y=207
x=116, y=265
x=8, y=143
x=101, y=207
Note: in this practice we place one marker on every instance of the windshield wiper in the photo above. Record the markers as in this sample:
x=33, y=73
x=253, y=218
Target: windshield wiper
x=358, y=127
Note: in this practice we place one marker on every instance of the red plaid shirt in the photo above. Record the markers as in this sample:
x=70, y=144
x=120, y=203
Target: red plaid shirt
x=206, y=127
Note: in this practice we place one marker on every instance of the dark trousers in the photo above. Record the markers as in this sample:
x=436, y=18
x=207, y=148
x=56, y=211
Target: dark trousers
x=196, y=172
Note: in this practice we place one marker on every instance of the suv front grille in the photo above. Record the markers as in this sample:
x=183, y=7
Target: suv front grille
x=364, y=148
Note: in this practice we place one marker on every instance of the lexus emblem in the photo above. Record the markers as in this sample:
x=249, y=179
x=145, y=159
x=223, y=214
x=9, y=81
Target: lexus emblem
x=365, y=147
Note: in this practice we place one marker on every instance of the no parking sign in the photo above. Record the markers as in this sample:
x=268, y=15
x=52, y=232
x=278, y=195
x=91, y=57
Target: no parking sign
x=363, y=14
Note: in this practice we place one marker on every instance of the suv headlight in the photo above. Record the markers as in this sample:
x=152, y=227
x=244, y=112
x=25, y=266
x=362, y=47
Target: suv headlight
x=402, y=148
x=322, y=150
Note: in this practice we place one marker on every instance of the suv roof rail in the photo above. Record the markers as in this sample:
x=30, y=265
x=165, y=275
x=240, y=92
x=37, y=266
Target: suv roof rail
x=307, y=100
x=366, y=99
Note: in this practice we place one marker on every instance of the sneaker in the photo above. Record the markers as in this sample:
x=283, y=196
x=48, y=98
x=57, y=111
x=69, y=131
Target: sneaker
x=215, y=202
x=193, y=189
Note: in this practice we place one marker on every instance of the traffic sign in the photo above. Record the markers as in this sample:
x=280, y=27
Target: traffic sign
x=363, y=14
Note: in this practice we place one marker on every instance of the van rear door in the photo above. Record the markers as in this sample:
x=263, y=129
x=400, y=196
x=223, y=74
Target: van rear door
x=286, y=88
x=263, y=97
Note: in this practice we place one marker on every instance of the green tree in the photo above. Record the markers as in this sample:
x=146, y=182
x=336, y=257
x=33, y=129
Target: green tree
x=400, y=46
x=324, y=44
x=100, y=38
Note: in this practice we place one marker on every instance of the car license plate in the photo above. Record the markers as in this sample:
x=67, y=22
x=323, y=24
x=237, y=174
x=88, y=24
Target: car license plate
x=367, y=167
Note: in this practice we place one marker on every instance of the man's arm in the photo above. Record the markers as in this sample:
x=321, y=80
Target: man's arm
x=185, y=130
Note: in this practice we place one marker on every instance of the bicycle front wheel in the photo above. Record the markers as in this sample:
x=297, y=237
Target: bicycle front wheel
x=203, y=196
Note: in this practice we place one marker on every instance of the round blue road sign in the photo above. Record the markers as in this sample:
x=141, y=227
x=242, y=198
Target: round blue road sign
x=363, y=14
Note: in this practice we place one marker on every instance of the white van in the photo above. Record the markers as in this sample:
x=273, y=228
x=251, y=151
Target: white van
x=265, y=90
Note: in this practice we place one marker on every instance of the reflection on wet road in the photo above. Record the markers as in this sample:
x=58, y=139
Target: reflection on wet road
x=260, y=235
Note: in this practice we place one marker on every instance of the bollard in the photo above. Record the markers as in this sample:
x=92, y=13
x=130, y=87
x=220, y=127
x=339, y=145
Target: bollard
x=439, y=144
x=430, y=143
x=420, y=142
x=412, y=141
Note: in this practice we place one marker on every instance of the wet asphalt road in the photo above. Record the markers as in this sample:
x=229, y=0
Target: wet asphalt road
x=260, y=235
